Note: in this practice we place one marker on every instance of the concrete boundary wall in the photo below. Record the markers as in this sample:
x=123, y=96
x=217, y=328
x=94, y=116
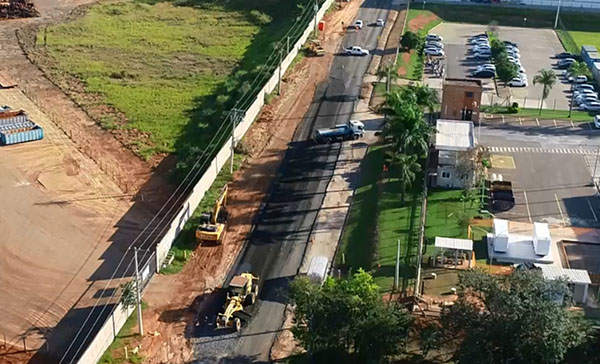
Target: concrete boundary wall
x=573, y=5
x=116, y=320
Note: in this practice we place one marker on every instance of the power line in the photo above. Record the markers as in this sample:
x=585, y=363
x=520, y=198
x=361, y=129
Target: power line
x=212, y=147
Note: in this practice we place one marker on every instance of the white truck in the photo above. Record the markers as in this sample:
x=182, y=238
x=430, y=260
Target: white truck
x=354, y=129
x=356, y=51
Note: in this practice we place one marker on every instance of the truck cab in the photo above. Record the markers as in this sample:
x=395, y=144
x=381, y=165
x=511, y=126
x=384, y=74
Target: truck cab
x=353, y=129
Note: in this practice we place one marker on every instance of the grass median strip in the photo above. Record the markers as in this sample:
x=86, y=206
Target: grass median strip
x=410, y=65
x=576, y=115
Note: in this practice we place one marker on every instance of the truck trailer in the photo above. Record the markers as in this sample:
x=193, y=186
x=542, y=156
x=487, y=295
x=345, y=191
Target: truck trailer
x=354, y=129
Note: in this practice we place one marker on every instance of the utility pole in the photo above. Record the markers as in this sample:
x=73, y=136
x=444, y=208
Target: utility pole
x=557, y=13
x=236, y=116
x=138, y=282
x=388, y=81
x=397, y=273
x=316, y=10
x=571, y=101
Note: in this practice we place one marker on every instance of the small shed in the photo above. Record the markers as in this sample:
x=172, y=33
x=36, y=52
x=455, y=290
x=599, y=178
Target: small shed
x=579, y=279
x=317, y=270
x=459, y=250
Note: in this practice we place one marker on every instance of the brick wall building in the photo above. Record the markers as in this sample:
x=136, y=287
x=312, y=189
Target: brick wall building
x=461, y=99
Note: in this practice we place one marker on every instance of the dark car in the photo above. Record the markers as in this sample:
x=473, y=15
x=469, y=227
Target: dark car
x=483, y=74
x=564, y=55
x=511, y=43
x=565, y=63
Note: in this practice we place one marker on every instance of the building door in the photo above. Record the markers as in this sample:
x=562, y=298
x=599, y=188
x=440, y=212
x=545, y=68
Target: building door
x=467, y=114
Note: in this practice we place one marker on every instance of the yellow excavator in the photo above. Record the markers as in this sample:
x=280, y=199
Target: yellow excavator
x=212, y=224
x=243, y=291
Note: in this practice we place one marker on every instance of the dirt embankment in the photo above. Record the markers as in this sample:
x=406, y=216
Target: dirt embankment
x=173, y=300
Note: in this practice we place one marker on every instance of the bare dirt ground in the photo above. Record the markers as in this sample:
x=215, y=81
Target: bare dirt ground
x=61, y=211
x=173, y=300
x=123, y=166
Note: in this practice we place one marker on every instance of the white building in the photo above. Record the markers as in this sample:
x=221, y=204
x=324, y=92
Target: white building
x=454, y=144
x=578, y=279
x=517, y=248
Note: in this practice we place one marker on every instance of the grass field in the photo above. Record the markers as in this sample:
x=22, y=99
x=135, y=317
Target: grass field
x=379, y=218
x=576, y=115
x=412, y=68
x=168, y=69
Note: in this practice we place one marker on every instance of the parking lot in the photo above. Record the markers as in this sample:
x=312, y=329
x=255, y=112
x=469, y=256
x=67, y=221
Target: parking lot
x=550, y=170
x=536, y=46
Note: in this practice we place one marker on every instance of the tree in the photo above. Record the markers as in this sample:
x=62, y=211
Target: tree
x=430, y=337
x=547, y=78
x=425, y=95
x=506, y=70
x=516, y=318
x=498, y=47
x=408, y=167
x=389, y=73
x=345, y=315
x=410, y=40
x=580, y=69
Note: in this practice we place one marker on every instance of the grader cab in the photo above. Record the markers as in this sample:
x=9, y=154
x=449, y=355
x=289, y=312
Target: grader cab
x=243, y=291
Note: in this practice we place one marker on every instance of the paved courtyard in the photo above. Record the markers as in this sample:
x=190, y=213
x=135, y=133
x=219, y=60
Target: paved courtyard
x=550, y=168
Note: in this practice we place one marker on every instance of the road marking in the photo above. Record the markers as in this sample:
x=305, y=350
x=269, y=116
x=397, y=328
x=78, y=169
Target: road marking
x=560, y=210
x=537, y=121
x=554, y=122
x=591, y=209
x=527, y=205
x=520, y=121
x=572, y=125
x=503, y=122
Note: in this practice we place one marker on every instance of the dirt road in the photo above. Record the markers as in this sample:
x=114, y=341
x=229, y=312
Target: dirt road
x=173, y=300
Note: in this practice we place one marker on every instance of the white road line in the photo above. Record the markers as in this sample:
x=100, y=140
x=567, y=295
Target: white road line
x=503, y=122
x=554, y=120
x=572, y=125
x=591, y=209
x=520, y=121
x=560, y=210
x=537, y=121
x=527, y=205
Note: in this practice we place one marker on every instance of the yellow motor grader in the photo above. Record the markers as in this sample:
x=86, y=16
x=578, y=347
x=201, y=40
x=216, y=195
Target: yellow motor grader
x=243, y=291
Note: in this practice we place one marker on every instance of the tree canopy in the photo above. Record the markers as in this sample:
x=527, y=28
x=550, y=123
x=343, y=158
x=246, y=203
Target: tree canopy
x=348, y=315
x=410, y=40
x=516, y=318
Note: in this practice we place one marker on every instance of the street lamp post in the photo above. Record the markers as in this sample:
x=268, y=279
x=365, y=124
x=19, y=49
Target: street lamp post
x=557, y=13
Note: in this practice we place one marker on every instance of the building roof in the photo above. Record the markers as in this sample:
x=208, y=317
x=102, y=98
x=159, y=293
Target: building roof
x=454, y=135
x=450, y=243
x=541, y=231
x=462, y=82
x=589, y=48
x=572, y=275
x=520, y=249
x=500, y=227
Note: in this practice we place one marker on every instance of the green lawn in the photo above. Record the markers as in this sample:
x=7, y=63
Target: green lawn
x=413, y=68
x=166, y=70
x=127, y=337
x=586, y=38
x=576, y=115
x=379, y=218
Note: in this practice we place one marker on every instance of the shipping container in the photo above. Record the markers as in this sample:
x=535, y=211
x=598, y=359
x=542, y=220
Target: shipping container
x=596, y=72
x=587, y=49
x=12, y=137
x=591, y=58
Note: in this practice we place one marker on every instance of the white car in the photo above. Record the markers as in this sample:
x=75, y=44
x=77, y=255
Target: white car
x=590, y=106
x=584, y=86
x=434, y=37
x=518, y=82
x=434, y=52
x=581, y=79
x=597, y=121
x=513, y=55
x=358, y=24
x=487, y=66
x=356, y=51
x=585, y=91
x=481, y=48
x=586, y=99
x=512, y=49
x=479, y=40
x=380, y=22
x=482, y=55
x=434, y=44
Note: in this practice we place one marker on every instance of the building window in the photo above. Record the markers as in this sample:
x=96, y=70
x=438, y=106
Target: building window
x=445, y=175
x=468, y=94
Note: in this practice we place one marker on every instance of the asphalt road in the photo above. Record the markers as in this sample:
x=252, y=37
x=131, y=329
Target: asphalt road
x=279, y=239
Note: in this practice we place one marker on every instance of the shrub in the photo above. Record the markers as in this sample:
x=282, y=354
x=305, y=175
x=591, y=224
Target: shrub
x=260, y=18
x=514, y=108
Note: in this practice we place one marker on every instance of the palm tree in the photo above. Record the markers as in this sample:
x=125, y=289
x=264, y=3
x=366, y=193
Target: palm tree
x=416, y=138
x=547, y=78
x=389, y=73
x=408, y=168
x=426, y=96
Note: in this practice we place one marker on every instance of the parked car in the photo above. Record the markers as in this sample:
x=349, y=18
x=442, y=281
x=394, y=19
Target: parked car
x=583, y=86
x=506, y=42
x=482, y=50
x=434, y=37
x=565, y=63
x=484, y=74
x=514, y=60
x=358, y=24
x=512, y=48
x=564, y=55
x=585, y=91
x=591, y=106
x=521, y=70
x=434, y=52
x=380, y=23
x=581, y=79
x=513, y=54
x=597, y=121
x=480, y=42
x=520, y=81
x=434, y=44
x=484, y=56
x=585, y=99
x=486, y=66
x=356, y=51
